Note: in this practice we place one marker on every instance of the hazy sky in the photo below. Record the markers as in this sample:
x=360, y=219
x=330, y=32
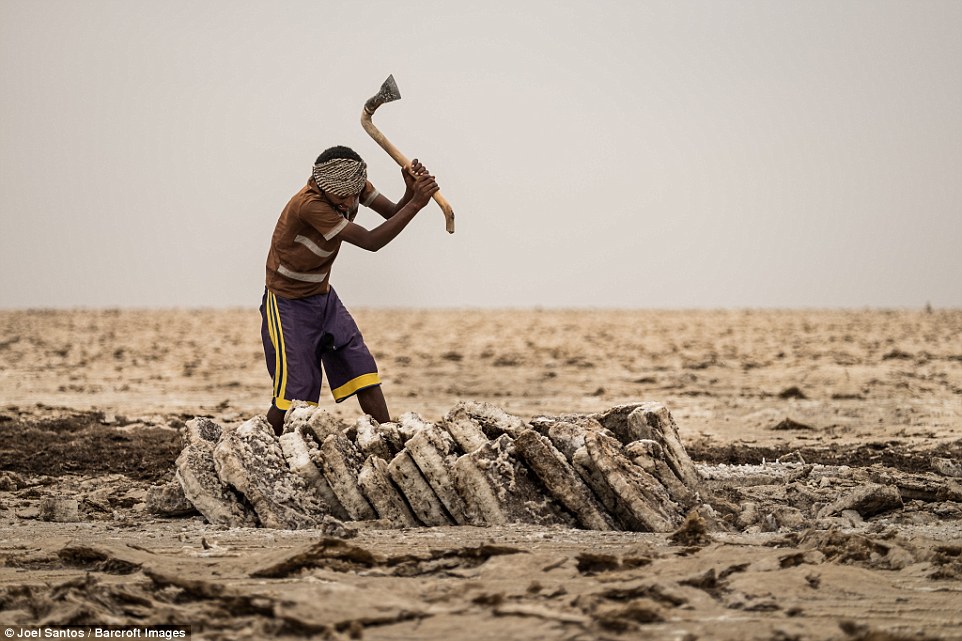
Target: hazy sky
x=597, y=153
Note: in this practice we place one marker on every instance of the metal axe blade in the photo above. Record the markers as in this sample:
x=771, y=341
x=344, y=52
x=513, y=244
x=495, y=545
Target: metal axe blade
x=387, y=93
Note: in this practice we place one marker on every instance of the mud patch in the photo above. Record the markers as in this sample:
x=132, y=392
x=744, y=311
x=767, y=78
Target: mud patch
x=73, y=442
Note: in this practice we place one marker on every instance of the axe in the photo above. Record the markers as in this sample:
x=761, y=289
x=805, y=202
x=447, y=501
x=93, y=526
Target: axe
x=388, y=93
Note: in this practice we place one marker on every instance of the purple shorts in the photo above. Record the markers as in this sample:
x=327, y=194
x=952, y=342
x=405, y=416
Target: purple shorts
x=302, y=334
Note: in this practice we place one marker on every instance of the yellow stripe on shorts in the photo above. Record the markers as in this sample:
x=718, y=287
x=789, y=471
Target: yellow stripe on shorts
x=280, y=355
x=355, y=384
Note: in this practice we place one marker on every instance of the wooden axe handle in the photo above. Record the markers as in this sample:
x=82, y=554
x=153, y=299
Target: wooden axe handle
x=402, y=160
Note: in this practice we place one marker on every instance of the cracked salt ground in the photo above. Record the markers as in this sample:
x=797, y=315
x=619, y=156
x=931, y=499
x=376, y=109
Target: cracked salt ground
x=243, y=583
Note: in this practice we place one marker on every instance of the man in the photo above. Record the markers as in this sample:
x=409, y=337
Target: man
x=304, y=324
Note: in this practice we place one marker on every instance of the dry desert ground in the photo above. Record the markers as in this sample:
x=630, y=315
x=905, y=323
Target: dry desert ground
x=828, y=445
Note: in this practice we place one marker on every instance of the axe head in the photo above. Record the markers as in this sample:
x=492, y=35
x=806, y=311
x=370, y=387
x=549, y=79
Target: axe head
x=388, y=93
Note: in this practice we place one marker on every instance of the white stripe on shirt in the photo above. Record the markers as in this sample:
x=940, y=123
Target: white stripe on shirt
x=310, y=244
x=306, y=277
x=336, y=230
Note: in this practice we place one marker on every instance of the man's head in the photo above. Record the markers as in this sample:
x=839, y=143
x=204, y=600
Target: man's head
x=340, y=174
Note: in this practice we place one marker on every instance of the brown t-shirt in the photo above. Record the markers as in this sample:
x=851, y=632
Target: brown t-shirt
x=305, y=243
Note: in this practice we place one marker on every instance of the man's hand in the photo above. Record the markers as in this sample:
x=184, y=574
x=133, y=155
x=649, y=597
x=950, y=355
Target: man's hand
x=424, y=185
x=410, y=174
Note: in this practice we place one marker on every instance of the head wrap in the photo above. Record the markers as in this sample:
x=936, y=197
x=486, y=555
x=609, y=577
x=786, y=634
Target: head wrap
x=341, y=176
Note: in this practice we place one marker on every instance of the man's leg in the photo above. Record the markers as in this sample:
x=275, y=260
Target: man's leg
x=290, y=333
x=276, y=418
x=372, y=402
x=349, y=364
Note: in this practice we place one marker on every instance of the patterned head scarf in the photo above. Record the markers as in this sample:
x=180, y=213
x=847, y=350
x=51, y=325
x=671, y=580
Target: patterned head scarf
x=341, y=176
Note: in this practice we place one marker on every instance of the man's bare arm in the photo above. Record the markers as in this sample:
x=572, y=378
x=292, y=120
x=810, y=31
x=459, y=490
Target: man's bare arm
x=423, y=188
x=383, y=205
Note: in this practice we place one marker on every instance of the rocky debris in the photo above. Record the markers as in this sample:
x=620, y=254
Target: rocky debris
x=305, y=418
x=300, y=449
x=375, y=481
x=649, y=456
x=637, y=500
x=561, y=480
x=168, y=499
x=340, y=462
x=10, y=481
x=105, y=558
x=868, y=500
x=410, y=424
x=917, y=487
x=341, y=556
x=567, y=433
x=320, y=554
x=693, y=531
x=492, y=420
x=249, y=458
x=201, y=431
x=790, y=425
x=622, y=469
x=197, y=474
x=947, y=467
x=435, y=453
x=652, y=421
x=464, y=429
x=500, y=489
x=792, y=497
x=371, y=441
x=792, y=392
x=411, y=483
x=61, y=509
